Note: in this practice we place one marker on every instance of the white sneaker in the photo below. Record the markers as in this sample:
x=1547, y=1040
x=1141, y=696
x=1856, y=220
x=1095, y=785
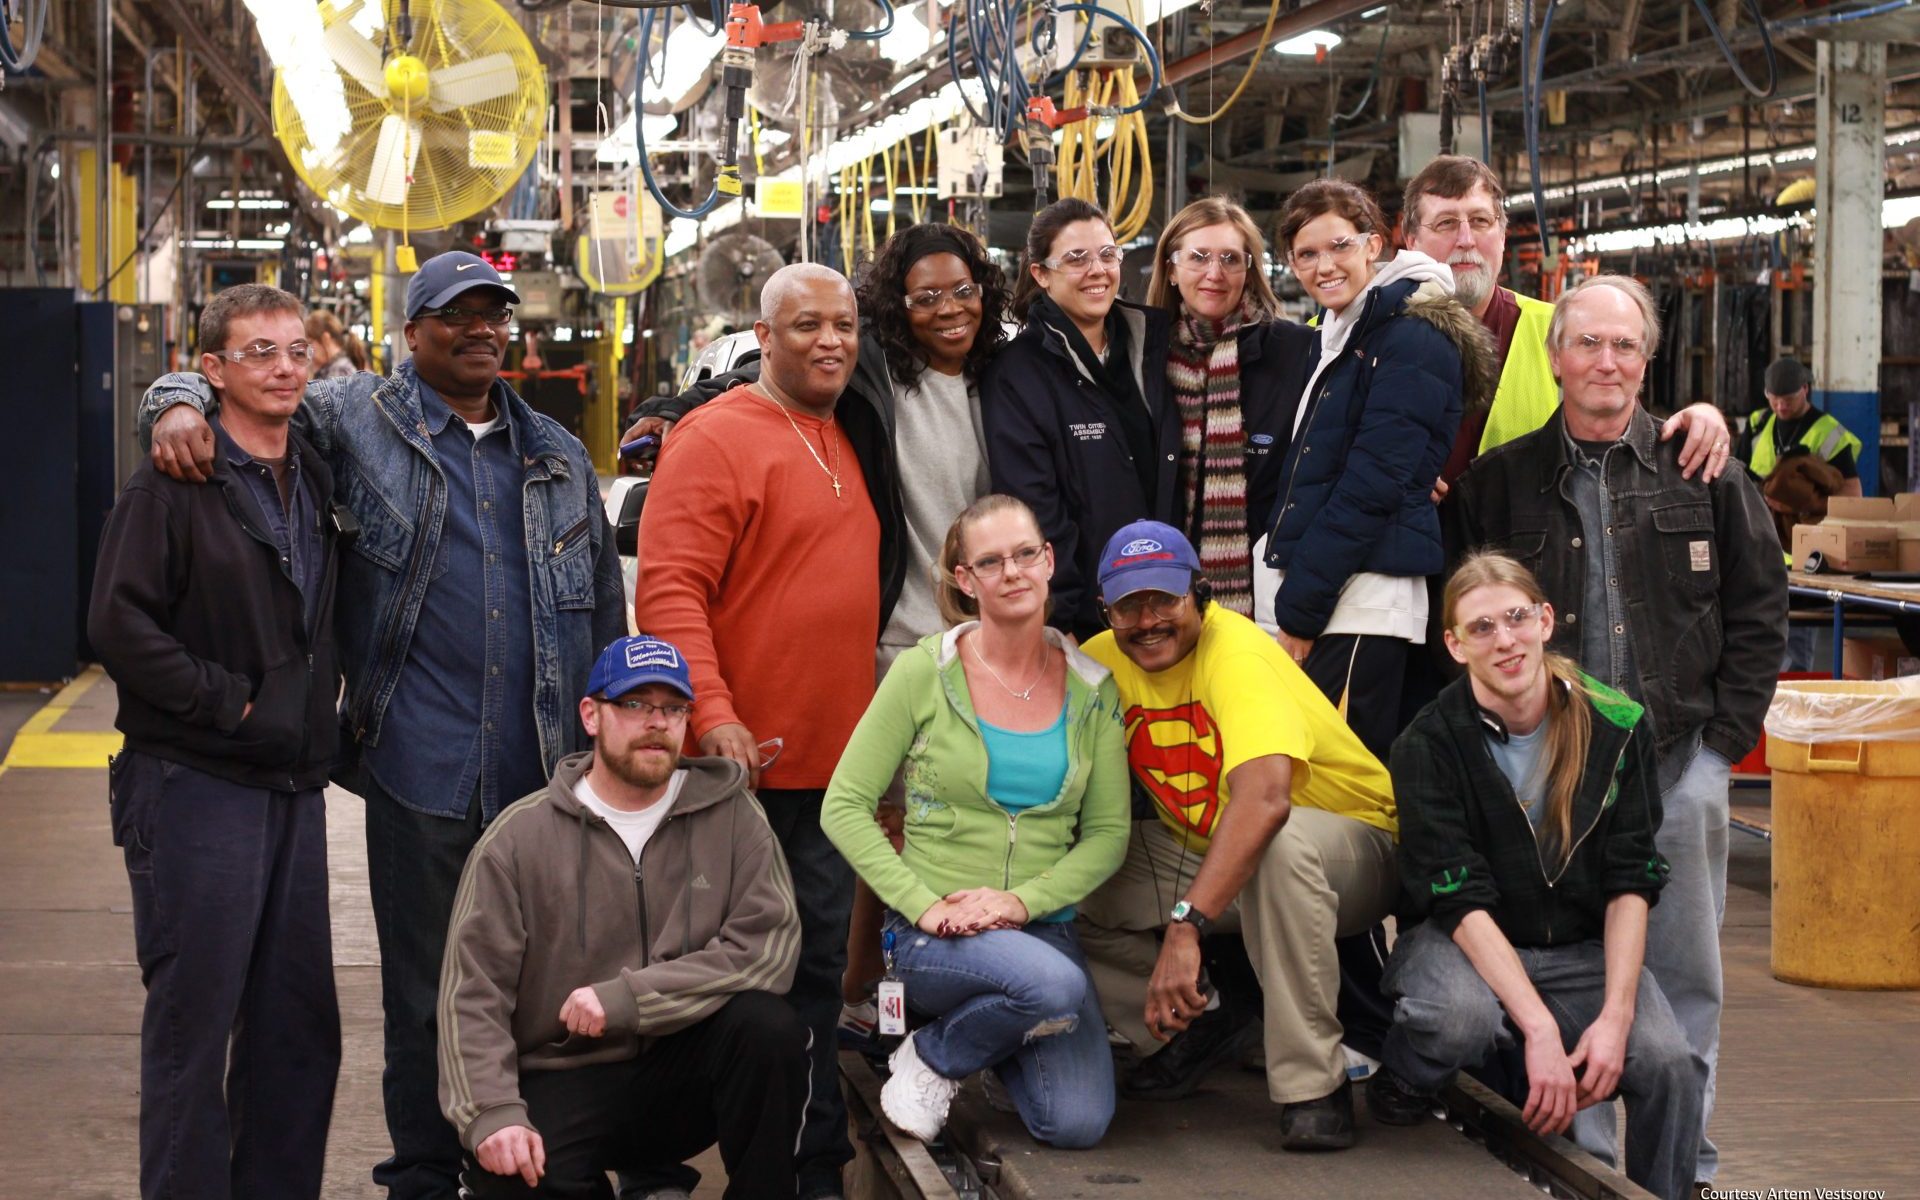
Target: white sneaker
x=915, y=1096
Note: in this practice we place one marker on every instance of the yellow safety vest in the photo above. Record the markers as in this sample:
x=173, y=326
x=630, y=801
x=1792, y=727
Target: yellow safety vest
x=1528, y=393
x=1826, y=437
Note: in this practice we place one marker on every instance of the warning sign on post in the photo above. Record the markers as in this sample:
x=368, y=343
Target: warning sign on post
x=777, y=197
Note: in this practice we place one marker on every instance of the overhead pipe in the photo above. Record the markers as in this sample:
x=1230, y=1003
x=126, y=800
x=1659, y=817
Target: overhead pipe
x=1302, y=20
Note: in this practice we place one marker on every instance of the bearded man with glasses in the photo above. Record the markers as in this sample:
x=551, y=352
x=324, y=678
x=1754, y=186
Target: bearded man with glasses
x=584, y=1036
x=1667, y=588
x=1273, y=820
x=483, y=581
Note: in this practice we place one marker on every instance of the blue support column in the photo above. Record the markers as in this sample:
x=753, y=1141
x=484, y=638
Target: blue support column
x=1850, y=178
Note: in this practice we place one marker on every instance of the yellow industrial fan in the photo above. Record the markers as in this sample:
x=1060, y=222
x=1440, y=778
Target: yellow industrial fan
x=411, y=114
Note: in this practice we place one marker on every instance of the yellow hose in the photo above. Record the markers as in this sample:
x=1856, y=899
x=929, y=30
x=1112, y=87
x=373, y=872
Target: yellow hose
x=1129, y=198
x=1253, y=64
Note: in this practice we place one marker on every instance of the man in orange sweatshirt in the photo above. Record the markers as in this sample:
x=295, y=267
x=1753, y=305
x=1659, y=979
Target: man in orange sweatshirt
x=759, y=558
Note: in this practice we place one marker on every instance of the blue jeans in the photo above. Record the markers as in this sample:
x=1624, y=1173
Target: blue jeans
x=1448, y=1018
x=1683, y=936
x=1019, y=1001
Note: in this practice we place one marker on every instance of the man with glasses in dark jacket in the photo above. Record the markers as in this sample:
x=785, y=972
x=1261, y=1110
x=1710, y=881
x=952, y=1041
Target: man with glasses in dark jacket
x=481, y=588
x=212, y=610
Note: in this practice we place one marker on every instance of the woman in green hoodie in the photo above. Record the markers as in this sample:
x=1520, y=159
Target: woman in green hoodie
x=1016, y=808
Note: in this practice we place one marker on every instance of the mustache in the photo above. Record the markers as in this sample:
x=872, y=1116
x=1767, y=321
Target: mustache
x=1460, y=258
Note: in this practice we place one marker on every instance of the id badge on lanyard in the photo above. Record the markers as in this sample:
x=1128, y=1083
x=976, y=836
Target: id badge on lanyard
x=891, y=997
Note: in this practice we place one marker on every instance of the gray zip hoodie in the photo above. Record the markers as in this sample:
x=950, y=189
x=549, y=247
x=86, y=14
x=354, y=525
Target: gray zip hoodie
x=551, y=901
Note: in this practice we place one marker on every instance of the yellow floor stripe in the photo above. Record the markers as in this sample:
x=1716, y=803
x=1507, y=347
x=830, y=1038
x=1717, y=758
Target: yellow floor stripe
x=62, y=750
x=36, y=745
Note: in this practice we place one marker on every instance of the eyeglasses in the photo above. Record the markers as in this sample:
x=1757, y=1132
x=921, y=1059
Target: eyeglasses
x=1126, y=612
x=1625, y=349
x=645, y=710
x=460, y=318
x=1233, y=262
x=991, y=566
x=770, y=751
x=1340, y=251
x=263, y=354
x=930, y=298
x=1482, y=629
x=1079, y=262
x=1478, y=222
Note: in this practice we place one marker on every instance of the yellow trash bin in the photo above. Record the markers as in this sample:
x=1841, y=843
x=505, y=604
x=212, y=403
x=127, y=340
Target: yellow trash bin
x=1845, y=758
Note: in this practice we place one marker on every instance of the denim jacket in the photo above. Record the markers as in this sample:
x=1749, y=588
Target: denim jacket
x=372, y=433
x=1699, y=572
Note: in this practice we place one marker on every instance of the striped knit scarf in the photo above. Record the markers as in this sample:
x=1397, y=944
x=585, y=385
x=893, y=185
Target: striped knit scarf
x=1203, y=369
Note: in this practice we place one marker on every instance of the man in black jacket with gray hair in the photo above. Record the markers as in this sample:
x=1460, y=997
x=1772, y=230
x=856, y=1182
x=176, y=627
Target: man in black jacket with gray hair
x=212, y=610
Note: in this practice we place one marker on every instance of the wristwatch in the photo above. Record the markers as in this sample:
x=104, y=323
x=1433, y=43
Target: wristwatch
x=1192, y=916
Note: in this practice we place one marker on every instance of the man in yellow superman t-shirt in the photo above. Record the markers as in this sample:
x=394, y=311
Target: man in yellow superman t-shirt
x=1272, y=818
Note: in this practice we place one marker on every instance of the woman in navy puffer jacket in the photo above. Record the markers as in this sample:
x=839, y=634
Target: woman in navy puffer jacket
x=1355, y=532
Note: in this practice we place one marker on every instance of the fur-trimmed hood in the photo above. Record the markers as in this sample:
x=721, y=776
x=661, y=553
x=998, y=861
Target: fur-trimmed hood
x=1479, y=374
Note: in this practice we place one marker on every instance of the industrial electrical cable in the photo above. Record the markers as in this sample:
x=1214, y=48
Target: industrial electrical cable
x=1533, y=64
x=1486, y=126
x=1840, y=18
x=140, y=239
x=640, y=137
x=869, y=35
x=33, y=32
x=1373, y=79
x=1253, y=64
x=1153, y=57
x=1733, y=59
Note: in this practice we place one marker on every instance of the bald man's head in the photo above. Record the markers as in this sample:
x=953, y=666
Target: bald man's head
x=809, y=331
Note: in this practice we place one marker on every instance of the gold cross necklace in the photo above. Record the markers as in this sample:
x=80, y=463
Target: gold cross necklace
x=826, y=436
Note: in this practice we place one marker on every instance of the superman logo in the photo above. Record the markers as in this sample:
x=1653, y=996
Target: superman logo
x=1175, y=753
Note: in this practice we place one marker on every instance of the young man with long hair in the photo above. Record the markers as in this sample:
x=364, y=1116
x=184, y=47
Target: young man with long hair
x=1528, y=805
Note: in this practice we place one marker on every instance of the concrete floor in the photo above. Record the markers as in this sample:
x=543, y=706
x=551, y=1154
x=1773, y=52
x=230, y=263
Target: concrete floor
x=1818, y=1088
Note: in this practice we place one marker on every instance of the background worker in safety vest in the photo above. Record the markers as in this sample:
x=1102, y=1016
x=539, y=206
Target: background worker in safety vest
x=1801, y=456
x=1455, y=212
x=1789, y=420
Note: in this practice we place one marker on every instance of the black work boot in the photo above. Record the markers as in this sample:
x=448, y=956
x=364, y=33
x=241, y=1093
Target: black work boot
x=1323, y=1124
x=1393, y=1101
x=1215, y=1037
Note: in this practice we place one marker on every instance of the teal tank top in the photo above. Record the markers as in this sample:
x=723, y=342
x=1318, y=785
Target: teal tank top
x=1027, y=769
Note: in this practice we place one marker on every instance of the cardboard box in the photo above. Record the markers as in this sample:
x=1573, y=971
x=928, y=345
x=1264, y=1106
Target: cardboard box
x=1865, y=533
x=1855, y=548
x=1877, y=658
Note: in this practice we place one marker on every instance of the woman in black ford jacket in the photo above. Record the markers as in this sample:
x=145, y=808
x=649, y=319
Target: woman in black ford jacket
x=1078, y=420
x=1355, y=531
x=1235, y=371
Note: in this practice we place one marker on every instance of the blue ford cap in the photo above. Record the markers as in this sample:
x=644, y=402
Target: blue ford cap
x=445, y=276
x=631, y=662
x=1147, y=556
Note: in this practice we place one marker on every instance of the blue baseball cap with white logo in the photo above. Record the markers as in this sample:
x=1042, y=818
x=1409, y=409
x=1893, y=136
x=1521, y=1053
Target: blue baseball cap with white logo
x=636, y=661
x=1147, y=556
x=445, y=276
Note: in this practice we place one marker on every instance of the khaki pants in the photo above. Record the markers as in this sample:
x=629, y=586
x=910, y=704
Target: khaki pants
x=1323, y=876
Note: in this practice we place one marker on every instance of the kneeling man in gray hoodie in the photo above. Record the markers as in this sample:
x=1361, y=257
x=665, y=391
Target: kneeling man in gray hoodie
x=610, y=997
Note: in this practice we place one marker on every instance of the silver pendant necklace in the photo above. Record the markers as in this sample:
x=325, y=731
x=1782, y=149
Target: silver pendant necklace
x=1026, y=695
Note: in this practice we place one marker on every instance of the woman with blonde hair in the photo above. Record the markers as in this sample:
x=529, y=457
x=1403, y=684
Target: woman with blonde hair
x=1016, y=808
x=1235, y=370
x=1528, y=805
